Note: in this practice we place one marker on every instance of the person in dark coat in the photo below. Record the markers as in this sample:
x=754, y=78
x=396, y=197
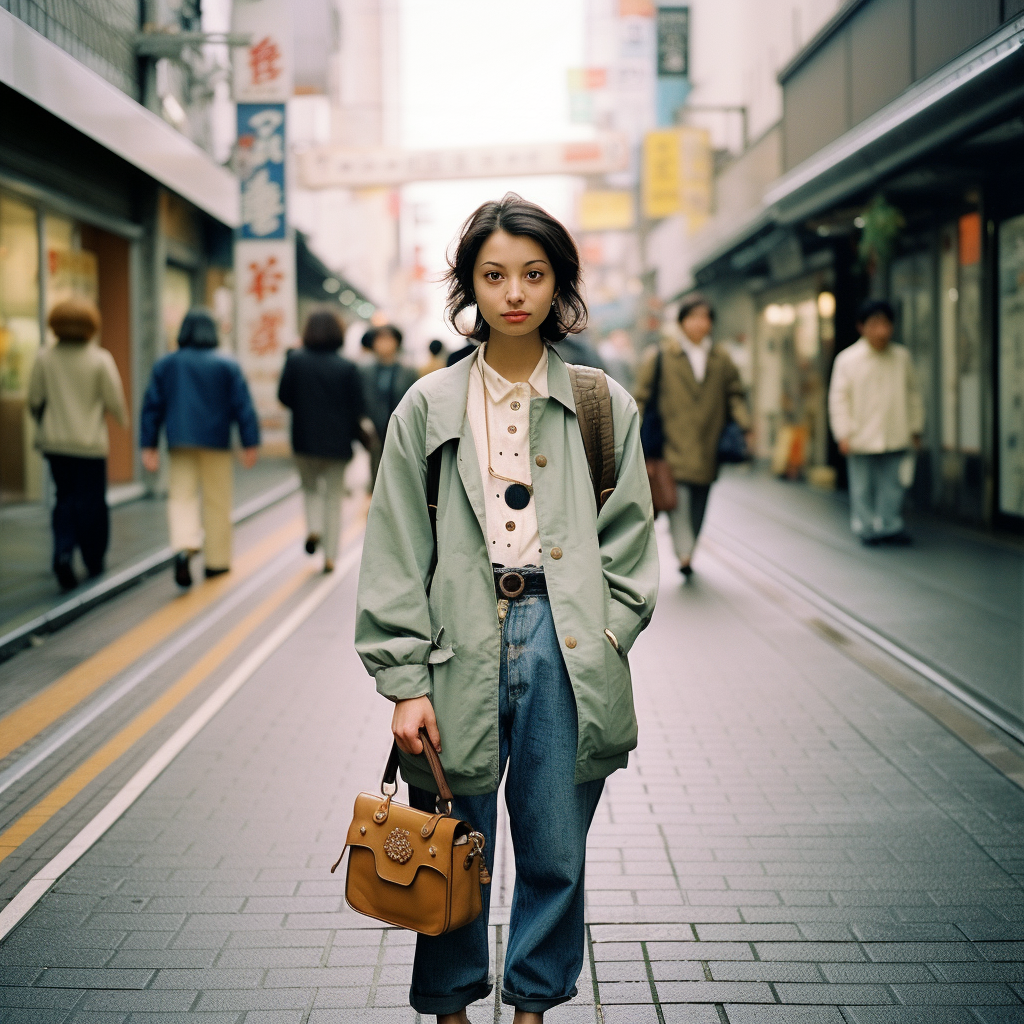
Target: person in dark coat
x=385, y=382
x=325, y=395
x=196, y=394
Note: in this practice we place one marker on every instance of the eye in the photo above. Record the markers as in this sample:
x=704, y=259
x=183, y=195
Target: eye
x=535, y=275
x=492, y=275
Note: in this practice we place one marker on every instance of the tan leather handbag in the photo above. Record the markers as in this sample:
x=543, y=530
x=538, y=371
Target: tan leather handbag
x=409, y=868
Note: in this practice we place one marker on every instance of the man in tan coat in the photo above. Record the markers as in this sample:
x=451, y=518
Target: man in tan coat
x=73, y=386
x=699, y=391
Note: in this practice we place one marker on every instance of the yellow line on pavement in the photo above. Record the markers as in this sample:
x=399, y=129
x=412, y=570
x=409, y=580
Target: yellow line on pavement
x=62, y=794
x=26, y=721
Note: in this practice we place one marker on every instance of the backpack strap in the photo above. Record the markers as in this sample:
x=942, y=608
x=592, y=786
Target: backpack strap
x=594, y=415
x=433, y=489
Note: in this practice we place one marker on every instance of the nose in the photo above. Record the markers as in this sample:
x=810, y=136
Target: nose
x=514, y=294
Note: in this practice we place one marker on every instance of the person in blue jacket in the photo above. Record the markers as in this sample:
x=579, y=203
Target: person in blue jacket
x=196, y=394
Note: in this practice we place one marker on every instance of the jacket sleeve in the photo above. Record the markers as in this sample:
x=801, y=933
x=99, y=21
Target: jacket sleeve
x=113, y=392
x=736, y=396
x=625, y=530
x=353, y=398
x=37, y=389
x=915, y=404
x=286, y=386
x=840, y=411
x=393, y=635
x=645, y=378
x=242, y=409
x=154, y=409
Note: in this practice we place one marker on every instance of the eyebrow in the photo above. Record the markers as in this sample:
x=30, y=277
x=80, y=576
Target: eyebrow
x=494, y=263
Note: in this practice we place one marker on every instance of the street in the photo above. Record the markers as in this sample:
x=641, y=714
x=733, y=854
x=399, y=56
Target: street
x=807, y=831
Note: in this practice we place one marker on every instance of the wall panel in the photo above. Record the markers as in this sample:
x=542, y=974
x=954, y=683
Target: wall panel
x=815, y=98
x=944, y=28
x=880, y=55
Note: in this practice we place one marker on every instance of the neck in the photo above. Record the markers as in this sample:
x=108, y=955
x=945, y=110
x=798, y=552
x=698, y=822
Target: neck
x=514, y=358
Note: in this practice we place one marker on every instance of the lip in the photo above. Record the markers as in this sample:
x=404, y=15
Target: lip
x=515, y=316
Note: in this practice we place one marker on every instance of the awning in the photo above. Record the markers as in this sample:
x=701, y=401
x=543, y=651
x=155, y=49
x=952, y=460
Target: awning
x=41, y=71
x=315, y=280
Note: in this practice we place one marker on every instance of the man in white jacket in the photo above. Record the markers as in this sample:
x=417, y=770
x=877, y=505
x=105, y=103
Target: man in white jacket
x=877, y=417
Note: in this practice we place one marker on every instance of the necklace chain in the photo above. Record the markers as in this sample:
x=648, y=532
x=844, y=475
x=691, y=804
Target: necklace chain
x=487, y=431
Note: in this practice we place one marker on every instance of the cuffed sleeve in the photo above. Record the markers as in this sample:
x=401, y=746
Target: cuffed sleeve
x=736, y=395
x=113, y=392
x=393, y=632
x=243, y=411
x=154, y=410
x=625, y=527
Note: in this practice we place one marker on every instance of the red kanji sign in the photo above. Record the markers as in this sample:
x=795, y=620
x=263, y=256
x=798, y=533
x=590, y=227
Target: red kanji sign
x=264, y=61
x=266, y=278
x=265, y=337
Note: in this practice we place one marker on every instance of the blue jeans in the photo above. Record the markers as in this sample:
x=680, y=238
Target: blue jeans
x=549, y=817
x=876, y=494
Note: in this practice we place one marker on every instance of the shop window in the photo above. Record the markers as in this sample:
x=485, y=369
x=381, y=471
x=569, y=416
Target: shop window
x=969, y=333
x=176, y=301
x=949, y=297
x=1011, y=367
x=20, y=466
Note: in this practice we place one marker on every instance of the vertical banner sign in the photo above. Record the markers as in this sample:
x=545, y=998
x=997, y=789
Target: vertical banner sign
x=661, y=174
x=265, y=290
x=673, y=33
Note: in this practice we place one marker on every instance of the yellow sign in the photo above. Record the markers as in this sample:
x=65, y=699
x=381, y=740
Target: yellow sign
x=605, y=210
x=677, y=174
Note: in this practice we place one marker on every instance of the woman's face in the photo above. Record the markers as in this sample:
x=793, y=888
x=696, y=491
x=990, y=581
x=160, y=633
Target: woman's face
x=697, y=324
x=514, y=284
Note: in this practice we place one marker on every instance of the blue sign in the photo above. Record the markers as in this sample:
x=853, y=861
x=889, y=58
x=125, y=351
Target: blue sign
x=259, y=161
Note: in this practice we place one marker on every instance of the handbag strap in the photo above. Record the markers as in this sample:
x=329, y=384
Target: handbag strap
x=436, y=769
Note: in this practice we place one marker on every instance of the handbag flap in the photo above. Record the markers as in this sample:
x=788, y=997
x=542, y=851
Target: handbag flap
x=399, y=847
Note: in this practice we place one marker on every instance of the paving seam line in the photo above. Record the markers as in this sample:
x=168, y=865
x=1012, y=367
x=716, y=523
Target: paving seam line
x=67, y=611
x=90, y=713
x=37, y=886
x=938, y=696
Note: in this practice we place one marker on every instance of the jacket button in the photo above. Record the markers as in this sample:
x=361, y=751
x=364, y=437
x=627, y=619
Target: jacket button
x=541, y=460
x=556, y=552
x=570, y=642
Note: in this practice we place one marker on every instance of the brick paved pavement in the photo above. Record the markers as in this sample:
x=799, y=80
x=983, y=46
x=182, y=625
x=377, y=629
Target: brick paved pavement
x=792, y=842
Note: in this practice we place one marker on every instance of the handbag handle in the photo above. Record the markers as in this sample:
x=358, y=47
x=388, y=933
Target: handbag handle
x=436, y=769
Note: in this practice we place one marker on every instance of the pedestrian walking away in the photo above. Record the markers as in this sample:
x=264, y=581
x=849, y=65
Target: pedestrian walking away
x=699, y=396
x=195, y=394
x=437, y=358
x=73, y=386
x=385, y=382
x=877, y=416
x=524, y=542
x=325, y=395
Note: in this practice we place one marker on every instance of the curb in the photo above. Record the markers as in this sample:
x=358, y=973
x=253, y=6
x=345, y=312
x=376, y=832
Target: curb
x=67, y=611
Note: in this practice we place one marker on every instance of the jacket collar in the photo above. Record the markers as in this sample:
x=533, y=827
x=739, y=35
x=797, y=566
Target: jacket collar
x=447, y=410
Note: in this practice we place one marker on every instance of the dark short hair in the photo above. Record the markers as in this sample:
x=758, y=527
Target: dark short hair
x=692, y=302
x=197, y=330
x=872, y=307
x=520, y=218
x=74, y=320
x=371, y=335
x=323, y=332
x=435, y=347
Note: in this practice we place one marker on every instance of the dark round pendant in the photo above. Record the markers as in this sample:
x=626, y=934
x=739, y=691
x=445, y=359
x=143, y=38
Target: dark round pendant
x=517, y=496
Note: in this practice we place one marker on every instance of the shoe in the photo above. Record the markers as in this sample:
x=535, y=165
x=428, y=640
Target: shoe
x=210, y=573
x=897, y=540
x=686, y=570
x=182, y=572
x=311, y=542
x=65, y=574
x=328, y=566
x=870, y=542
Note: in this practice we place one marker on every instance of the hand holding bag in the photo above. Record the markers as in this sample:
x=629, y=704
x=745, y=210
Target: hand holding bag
x=409, y=868
x=652, y=440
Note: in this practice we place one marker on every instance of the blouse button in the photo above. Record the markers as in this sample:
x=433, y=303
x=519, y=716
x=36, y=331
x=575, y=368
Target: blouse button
x=556, y=553
x=541, y=460
x=570, y=642
x=510, y=525
x=512, y=428
x=515, y=407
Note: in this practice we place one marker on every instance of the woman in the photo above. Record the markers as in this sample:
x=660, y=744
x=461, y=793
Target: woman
x=324, y=393
x=699, y=389
x=73, y=384
x=524, y=559
x=197, y=393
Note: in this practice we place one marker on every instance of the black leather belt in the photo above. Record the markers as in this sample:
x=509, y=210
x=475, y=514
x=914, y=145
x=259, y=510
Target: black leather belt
x=525, y=582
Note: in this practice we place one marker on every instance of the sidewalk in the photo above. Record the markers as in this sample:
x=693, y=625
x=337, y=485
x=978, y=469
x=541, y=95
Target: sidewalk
x=138, y=530
x=953, y=599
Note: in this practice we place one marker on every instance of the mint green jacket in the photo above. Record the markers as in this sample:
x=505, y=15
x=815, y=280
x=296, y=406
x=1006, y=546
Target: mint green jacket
x=446, y=644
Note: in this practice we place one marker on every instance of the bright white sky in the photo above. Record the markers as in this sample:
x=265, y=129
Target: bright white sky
x=476, y=73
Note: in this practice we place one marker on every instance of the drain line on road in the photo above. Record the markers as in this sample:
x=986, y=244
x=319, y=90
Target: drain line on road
x=40, y=883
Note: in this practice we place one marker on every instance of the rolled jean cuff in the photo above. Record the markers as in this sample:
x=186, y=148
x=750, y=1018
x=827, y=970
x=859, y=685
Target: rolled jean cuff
x=451, y=1002
x=535, y=1004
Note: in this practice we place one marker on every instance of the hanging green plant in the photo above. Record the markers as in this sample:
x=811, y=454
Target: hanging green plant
x=882, y=225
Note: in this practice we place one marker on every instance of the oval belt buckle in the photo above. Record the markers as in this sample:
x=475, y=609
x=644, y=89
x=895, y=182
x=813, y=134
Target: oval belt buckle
x=512, y=584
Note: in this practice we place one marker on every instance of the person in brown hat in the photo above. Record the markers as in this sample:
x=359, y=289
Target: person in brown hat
x=73, y=385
